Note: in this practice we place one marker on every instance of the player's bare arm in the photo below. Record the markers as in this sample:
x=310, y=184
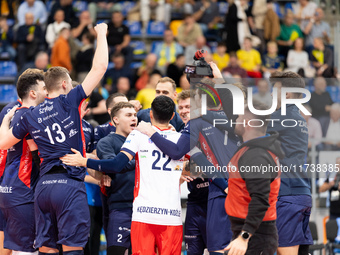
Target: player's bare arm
x=100, y=60
x=7, y=139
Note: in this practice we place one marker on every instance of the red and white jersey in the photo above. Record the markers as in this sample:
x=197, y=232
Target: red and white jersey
x=157, y=197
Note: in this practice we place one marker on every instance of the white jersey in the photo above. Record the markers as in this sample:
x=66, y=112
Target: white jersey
x=157, y=197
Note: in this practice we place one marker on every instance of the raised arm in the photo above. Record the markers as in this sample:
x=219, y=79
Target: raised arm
x=100, y=60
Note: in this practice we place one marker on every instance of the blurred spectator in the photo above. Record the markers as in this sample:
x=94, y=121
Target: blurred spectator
x=54, y=28
x=289, y=33
x=85, y=57
x=97, y=108
x=332, y=184
x=36, y=7
x=66, y=6
x=30, y=39
x=123, y=86
x=314, y=127
x=178, y=7
x=316, y=27
x=220, y=57
x=144, y=72
x=233, y=68
x=189, y=31
x=322, y=59
x=82, y=26
x=231, y=27
x=147, y=95
x=40, y=62
x=271, y=61
x=332, y=128
x=250, y=59
x=263, y=95
x=175, y=70
x=297, y=59
x=104, y=6
x=259, y=11
x=6, y=35
x=6, y=8
x=201, y=44
x=61, y=55
x=321, y=100
x=167, y=51
x=118, y=37
x=271, y=24
x=304, y=10
x=119, y=70
x=206, y=14
x=151, y=9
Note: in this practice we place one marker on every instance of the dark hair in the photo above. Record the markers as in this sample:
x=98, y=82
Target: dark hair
x=179, y=56
x=28, y=81
x=232, y=54
x=54, y=77
x=89, y=37
x=288, y=80
x=109, y=101
x=259, y=106
x=115, y=109
x=162, y=108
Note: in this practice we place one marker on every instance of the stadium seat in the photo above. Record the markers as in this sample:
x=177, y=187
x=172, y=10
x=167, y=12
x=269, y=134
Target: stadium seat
x=49, y=5
x=316, y=246
x=79, y=6
x=8, y=93
x=212, y=46
x=127, y=6
x=110, y=65
x=135, y=65
x=135, y=28
x=8, y=71
x=331, y=233
x=223, y=7
x=155, y=29
x=174, y=25
x=277, y=10
x=139, y=51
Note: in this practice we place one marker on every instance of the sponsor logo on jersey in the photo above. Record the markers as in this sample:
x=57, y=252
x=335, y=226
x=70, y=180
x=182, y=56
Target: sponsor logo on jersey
x=69, y=124
x=65, y=119
x=178, y=168
x=5, y=189
x=72, y=133
x=36, y=131
x=45, y=109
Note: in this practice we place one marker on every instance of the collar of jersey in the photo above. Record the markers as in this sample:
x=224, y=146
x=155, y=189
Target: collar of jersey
x=162, y=129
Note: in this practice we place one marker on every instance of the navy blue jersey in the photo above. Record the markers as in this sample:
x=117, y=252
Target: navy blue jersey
x=3, y=153
x=199, y=190
x=56, y=127
x=21, y=173
x=120, y=194
x=89, y=135
x=102, y=131
x=294, y=143
x=176, y=121
x=216, y=145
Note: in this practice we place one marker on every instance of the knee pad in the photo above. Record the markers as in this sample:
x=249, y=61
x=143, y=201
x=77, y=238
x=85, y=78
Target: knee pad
x=77, y=252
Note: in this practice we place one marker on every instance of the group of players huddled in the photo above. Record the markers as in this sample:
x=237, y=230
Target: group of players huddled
x=47, y=149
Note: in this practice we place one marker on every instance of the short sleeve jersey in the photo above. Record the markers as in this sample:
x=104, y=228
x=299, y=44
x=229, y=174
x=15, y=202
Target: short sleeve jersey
x=3, y=153
x=21, y=174
x=89, y=135
x=157, y=191
x=56, y=127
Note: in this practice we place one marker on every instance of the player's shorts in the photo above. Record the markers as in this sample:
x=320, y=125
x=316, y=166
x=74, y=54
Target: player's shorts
x=19, y=228
x=195, y=235
x=119, y=228
x=2, y=221
x=219, y=232
x=145, y=237
x=293, y=214
x=62, y=213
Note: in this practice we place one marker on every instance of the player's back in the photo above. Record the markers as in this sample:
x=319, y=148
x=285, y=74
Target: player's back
x=56, y=127
x=157, y=187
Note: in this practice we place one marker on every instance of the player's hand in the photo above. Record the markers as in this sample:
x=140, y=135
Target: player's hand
x=237, y=247
x=75, y=159
x=101, y=28
x=136, y=104
x=10, y=114
x=216, y=72
x=186, y=178
x=145, y=128
x=84, y=111
x=105, y=181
